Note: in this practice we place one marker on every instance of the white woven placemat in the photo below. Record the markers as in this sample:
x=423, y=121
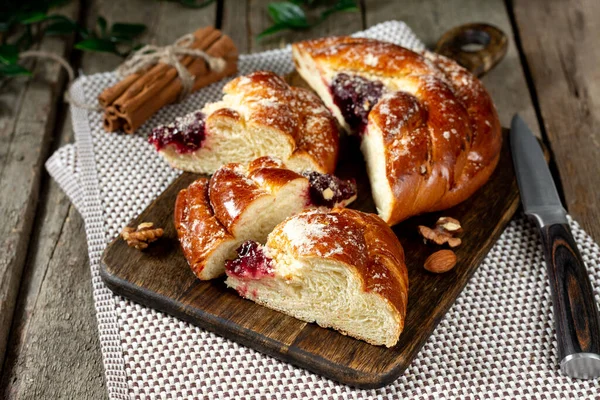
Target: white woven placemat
x=496, y=341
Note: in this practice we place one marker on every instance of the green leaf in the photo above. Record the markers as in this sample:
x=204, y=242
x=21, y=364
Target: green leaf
x=122, y=31
x=272, y=29
x=13, y=70
x=340, y=5
x=195, y=3
x=98, y=45
x=61, y=28
x=289, y=14
x=32, y=17
x=101, y=22
x=9, y=54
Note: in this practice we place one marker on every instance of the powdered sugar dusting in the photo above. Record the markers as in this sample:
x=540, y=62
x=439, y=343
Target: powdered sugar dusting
x=474, y=156
x=243, y=80
x=263, y=98
x=371, y=59
x=302, y=233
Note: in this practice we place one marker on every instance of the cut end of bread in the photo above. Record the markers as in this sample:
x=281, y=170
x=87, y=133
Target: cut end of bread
x=230, y=141
x=259, y=115
x=292, y=275
x=373, y=150
x=439, y=134
x=318, y=81
x=328, y=294
x=240, y=203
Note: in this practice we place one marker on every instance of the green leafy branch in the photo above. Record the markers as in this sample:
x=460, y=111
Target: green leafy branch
x=290, y=15
x=24, y=24
x=117, y=39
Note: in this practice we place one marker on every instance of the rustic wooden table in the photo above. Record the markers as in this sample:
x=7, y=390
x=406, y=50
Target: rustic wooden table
x=48, y=337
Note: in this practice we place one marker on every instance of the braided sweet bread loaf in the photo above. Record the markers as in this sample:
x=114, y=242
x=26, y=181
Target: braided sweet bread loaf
x=213, y=216
x=429, y=131
x=340, y=268
x=260, y=115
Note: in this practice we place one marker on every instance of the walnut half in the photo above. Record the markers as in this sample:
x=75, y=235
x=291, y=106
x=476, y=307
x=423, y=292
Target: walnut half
x=443, y=232
x=142, y=236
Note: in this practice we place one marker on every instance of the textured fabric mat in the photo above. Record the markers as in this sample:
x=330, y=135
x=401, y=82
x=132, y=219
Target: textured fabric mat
x=496, y=341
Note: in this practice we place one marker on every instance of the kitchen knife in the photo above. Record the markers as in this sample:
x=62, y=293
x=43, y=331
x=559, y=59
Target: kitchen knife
x=575, y=312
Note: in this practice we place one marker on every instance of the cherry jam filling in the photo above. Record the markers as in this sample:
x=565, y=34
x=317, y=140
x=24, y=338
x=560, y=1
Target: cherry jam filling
x=355, y=96
x=327, y=190
x=251, y=262
x=186, y=133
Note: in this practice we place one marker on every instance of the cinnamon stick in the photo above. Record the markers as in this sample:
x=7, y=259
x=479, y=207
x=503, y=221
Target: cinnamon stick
x=141, y=91
x=129, y=103
x=112, y=123
x=111, y=111
x=131, y=83
x=139, y=109
x=112, y=93
x=111, y=120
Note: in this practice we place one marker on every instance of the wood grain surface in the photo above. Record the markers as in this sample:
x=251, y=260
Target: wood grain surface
x=432, y=18
x=559, y=44
x=27, y=114
x=53, y=348
x=161, y=278
x=555, y=39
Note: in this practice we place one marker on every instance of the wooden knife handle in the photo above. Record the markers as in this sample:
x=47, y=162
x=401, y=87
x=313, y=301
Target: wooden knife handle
x=575, y=311
x=477, y=47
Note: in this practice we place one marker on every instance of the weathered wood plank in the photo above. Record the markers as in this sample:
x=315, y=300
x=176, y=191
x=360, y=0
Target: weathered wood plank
x=235, y=23
x=243, y=27
x=55, y=325
x=430, y=19
x=57, y=250
x=26, y=123
x=54, y=351
x=166, y=22
x=559, y=40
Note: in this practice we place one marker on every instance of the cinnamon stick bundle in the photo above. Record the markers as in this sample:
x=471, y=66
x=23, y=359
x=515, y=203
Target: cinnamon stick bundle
x=133, y=100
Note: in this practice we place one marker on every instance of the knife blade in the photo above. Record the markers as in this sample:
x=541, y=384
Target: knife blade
x=575, y=313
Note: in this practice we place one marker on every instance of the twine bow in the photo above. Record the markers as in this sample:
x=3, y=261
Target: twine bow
x=40, y=54
x=143, y=58
x=150, y=55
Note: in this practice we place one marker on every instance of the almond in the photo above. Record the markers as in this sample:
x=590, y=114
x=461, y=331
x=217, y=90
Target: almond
x=440, y=261
x=449, y=224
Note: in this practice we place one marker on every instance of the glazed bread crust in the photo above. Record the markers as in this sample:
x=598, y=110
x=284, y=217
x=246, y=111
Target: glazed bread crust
x=204, y=240
x=359, y=240
x=239, y=202
x=432, y=138
x=340, y=268
x=261, y=115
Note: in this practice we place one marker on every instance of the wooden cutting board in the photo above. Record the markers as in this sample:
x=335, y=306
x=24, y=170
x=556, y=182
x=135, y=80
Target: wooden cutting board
x=160, y=278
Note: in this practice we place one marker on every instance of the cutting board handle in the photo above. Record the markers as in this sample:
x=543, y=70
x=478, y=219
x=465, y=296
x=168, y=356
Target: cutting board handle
x=477, y=47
